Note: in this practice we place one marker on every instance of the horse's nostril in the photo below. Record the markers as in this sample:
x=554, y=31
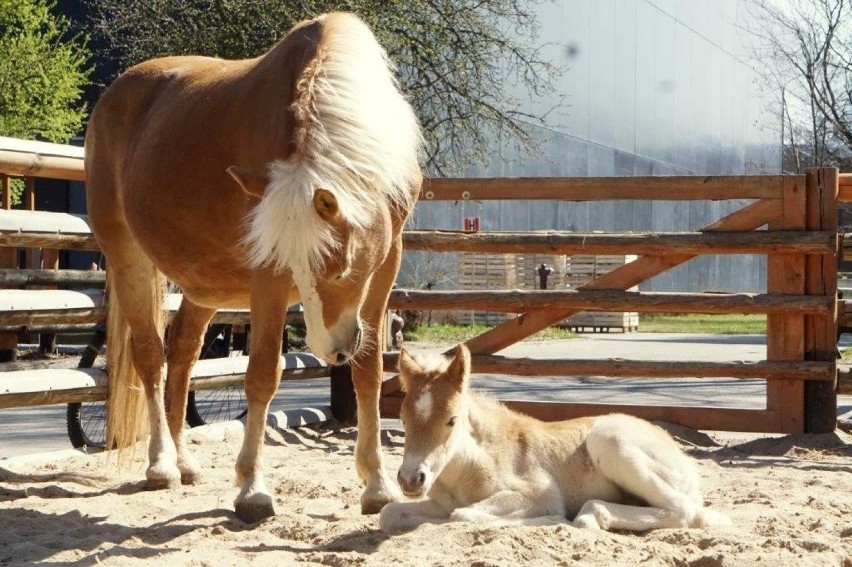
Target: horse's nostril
x=341, y=358
x=421, y=478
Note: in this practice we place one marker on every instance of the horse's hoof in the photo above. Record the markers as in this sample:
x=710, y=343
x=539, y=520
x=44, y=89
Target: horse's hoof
x=162, y=483
x=190, y=477
x=374, y=503
x=159, y=478
x=253, y=512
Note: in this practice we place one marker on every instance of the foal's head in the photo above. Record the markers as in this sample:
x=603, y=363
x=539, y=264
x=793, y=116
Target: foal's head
x=433, y=413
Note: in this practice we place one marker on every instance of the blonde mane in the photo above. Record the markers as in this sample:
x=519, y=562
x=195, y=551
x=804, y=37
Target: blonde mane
x=358, y=138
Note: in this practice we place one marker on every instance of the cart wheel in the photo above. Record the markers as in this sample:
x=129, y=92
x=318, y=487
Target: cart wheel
x=87, y=425
x=213, y=406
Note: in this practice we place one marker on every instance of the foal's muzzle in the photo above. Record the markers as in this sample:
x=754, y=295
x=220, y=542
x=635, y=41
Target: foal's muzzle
x=411, y=484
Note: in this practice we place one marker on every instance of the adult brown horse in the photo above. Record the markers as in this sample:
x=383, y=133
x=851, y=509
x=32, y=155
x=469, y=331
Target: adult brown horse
x=326, y=151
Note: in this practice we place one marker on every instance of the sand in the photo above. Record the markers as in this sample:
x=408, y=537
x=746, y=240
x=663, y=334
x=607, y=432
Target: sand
x=790, y=499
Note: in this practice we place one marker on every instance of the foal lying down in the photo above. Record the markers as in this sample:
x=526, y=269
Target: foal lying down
x=477, y=460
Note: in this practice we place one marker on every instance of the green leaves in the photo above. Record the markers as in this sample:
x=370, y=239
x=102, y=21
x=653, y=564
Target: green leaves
x=43, y=70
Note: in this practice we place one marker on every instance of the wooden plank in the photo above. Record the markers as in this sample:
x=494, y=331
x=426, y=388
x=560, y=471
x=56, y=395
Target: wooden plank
x=517, y=301
x=68, y=385
x=785, y=332
x=821, y=278
x=45, y=240
x=39, y=165
x=68, y=278
x=557, y=242
x=25, y=308
x=44, y=222
x=627, y=276
x=8, y=260
x=719, y=419
x=619, y=368
x=844, y=182
x=603, y=188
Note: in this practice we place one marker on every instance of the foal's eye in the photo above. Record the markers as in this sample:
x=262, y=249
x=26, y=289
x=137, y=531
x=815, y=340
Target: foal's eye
x=452, y=422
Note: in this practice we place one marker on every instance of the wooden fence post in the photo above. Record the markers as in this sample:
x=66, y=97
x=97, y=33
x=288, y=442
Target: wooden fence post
x=821, y=279
x=785, y=334
x=8, y=259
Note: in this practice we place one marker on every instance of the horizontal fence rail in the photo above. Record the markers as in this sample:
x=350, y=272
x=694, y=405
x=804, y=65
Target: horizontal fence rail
x=518, y=301
x=552, y=242
x=72, y=385
x=62, y=308
x=677, y=188
x=616, y=368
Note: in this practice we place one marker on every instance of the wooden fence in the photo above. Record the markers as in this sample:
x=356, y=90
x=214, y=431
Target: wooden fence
x=800, y=241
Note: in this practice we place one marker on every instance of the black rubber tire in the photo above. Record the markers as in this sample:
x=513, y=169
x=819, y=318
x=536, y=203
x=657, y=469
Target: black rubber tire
x=213, y=406
x=86, y=423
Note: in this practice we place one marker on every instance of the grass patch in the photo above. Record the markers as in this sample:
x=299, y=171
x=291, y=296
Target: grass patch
x=714, y=324
x=846, y=353
x=461, y=333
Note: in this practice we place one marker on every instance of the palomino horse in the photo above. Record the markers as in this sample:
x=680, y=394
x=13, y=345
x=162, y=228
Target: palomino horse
x=326, y=151
x=477, y=460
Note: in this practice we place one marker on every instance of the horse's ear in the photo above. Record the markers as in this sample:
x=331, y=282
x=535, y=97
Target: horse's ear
x=326, y=205
x=407, y=368
x=459, y=369
x=252, y=182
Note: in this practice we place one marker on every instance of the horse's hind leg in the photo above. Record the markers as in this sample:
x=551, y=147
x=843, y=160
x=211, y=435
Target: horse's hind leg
x=186, y=335
x=138, y=290
x=269, y=300
x=642, y=460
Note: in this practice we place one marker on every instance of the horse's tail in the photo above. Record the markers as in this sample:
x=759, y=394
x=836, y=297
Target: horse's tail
x=127, y=405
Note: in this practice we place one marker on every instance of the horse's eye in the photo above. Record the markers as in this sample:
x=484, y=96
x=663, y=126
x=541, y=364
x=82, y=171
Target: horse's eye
x=452, y=422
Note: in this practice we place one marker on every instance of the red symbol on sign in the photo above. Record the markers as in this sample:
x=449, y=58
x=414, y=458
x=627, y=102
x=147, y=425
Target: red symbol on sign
x=471, y=224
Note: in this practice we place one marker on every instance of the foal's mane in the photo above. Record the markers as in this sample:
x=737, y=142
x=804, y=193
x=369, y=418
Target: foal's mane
x=357, y=137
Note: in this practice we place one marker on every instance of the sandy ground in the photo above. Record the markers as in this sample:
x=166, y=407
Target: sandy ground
x=790, y=499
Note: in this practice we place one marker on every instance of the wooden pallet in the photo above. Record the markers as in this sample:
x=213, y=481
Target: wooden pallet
x=485, y=272
x=527, y=270
x=580, y=270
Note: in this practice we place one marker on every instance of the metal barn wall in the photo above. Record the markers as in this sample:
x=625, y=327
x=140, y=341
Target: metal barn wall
x=654, y=87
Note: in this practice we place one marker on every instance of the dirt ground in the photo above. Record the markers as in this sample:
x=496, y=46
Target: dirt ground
x=790, y=499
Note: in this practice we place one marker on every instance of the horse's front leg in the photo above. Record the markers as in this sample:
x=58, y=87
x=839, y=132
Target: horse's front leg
x=367, y=378
x=269, y=297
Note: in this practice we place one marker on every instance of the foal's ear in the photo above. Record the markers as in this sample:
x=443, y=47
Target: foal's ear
x=326, y=205
x=252, y=182
x=407, y=369
x=459, y=369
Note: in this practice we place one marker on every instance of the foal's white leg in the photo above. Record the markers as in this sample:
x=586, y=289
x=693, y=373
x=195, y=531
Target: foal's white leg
x=597, y=514
x=398, y=517
x=269, y=297
x=510, y=504
x=643, y=460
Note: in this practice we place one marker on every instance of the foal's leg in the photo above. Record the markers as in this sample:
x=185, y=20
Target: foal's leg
x=514, y=505
x=398, y=517
x=186, y=336
x=367, y=378
x=269, y=300
x=643, y=460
